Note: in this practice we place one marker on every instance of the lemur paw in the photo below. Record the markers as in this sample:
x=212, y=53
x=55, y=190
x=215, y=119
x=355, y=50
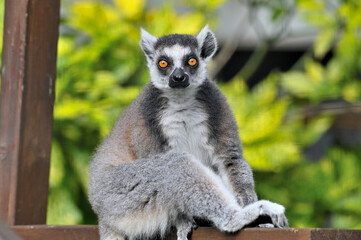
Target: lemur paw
x=184, y=228
x=275, y=211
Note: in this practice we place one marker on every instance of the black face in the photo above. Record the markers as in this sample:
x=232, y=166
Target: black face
x=179, y=76
x=178, y=69
x=178, y=79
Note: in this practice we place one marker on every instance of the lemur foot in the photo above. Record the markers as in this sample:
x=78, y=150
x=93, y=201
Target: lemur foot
x=275, y=211
x=184, y=228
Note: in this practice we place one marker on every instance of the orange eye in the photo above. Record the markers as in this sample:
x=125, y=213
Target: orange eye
x=192, y=61
x=162, y=63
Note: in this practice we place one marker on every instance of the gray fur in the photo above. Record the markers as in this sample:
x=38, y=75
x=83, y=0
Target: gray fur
x=207, y=42
x=173, y=39
x=175, y=155
x=147, y=43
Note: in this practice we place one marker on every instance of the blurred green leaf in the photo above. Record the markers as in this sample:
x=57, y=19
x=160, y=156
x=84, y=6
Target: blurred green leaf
x=131, y=9
x=316, y=128
x=323, y=42
x=352, y=91
x=297, y=83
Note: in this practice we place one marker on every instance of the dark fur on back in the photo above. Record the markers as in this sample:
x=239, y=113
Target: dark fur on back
x=152, y=104
x=211, y=99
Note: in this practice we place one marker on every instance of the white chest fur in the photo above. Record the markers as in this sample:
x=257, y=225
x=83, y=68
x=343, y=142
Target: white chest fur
x=184, y=123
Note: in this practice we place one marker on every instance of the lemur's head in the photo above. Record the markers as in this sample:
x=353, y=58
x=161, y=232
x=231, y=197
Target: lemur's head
x=178, y=60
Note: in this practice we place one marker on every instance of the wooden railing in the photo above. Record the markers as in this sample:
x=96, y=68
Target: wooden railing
x=44, y=232
x=26, y=119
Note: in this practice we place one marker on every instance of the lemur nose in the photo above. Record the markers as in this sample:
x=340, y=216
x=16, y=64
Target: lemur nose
x=178, y=75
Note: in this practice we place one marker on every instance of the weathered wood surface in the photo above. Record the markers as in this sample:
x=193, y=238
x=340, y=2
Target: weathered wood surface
x=26, y=108
x=7, y=234
x=43, y=232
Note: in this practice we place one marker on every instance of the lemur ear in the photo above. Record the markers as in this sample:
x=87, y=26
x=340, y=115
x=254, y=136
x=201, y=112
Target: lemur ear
x=207, y=43
x=147, y=42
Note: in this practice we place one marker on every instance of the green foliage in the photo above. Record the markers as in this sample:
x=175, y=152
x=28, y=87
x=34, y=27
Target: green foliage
x=274, y=133
x=101, y=70
x=340, y=29
x=273, y=141
x=260, y=116
x=327, y=191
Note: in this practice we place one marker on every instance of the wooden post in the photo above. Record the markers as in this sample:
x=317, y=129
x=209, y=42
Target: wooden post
x=26, y=108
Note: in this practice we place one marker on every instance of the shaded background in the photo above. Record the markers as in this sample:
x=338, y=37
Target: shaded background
x=291, y=71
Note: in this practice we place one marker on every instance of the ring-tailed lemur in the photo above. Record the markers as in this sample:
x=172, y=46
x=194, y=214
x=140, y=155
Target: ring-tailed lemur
x=175, y=153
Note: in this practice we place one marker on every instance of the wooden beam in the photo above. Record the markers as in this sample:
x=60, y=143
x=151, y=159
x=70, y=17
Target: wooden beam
x=279, y=234
x=26, y=108
x=253, y=234
x=7, y=234
x=44, y=232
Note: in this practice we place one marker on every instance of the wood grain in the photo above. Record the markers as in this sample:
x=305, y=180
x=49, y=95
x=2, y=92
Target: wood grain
x=335, y=234
x=26, y=108
x=46, y=232
x=43, y=232
x=253, y=234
